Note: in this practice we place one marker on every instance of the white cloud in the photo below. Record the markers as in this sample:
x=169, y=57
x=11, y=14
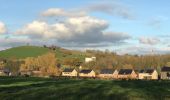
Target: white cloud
x=3, y=28
x=36, y=29
x=74, y=30
x=7, y=42
x=149, y=40
x=61, y=13
x=143, y=50
x=113, y=9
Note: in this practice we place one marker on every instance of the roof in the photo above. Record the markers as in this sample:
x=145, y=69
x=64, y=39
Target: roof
x=68, y=70
x=125, y=71
x=146, y=71
x=85, y=71
x=165, y=69
x=5, y=70
x=107, y=71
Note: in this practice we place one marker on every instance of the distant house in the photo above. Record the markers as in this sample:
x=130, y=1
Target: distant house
x=69, y=72
x=87, y=73
x=150, y=74
x=37, y=73
x=90, y=59
x=165, y=72
x=108, y=73
x=2, y=73
x=127, y=74
x=23, y=73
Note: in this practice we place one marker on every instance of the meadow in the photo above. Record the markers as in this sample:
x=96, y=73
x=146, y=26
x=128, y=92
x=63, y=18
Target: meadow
x=29, y=88
x=23, y=52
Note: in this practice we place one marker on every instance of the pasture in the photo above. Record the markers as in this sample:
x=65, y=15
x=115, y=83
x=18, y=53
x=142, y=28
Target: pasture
x=27, y=88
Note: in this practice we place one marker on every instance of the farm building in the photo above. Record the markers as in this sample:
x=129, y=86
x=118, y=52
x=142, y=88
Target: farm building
x=69, y=72
x=90, y=59
x=127, y=74
x=165, y=72
x=150, y=74
x=87, y=73
x=108, y=73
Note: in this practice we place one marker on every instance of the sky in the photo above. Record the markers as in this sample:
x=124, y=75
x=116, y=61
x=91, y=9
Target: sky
x=121, y=26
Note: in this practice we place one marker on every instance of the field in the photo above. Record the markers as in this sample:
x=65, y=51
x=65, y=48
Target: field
x=23, y=52
x=21, y=88
x=34, y=51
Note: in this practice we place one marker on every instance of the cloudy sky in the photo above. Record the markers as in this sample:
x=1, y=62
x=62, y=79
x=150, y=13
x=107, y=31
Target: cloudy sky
x=122, y=26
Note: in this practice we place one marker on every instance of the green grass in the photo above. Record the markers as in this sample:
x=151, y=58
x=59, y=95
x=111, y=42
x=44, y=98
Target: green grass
x=74, y=54
x=34, y=51
x=23, y=52
x=18, y=88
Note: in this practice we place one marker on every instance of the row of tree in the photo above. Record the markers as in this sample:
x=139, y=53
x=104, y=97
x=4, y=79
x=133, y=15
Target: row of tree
x=51, y=65
x=47, y=64
x=108, y=59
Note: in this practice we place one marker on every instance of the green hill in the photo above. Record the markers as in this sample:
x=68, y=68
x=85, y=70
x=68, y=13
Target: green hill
x=23, y=52
x=34, y=51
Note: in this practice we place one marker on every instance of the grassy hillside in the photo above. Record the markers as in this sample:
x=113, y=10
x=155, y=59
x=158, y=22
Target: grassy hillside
x=23, y=52
x=60, y=89
x=34, y=51
x=62, y=54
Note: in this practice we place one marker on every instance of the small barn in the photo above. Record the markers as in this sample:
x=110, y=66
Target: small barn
x=69, y=72
x=165, y=72
x=87, y=73
x=127, y=74
x=108, y=73
x=150, y=74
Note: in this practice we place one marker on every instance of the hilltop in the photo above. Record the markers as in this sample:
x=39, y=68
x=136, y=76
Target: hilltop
x=22, y=52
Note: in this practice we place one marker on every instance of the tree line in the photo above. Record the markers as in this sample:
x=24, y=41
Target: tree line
x=49, y=64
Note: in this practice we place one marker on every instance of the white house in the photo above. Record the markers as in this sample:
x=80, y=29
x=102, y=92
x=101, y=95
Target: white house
x=90, y=59
x=108, y=73
x=87, y=73
x=69, y=72
x=150, y=74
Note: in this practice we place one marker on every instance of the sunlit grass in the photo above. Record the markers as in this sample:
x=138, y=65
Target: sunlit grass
x=75, y=89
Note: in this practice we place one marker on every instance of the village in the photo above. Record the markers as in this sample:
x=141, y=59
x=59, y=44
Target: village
x=106, y=73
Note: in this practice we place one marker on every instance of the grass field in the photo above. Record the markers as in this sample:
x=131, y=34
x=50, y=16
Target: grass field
x=23, y=52
x=20, y=88
x=34, y=51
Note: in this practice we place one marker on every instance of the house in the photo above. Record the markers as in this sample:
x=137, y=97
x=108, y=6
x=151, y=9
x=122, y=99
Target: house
x=90, y=59
x=150, y=74
x=165, y=72
x=108, y=73
x=37, y=73
x=69, y=72
x=87, y=73
x=127, y=74
x=2, y=73
x=24, y=73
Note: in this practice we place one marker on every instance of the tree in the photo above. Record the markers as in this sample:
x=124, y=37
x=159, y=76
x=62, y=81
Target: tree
x=13, y=66
x=47, y=64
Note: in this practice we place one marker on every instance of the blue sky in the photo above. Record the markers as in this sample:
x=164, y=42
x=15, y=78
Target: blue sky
x=125, y=26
